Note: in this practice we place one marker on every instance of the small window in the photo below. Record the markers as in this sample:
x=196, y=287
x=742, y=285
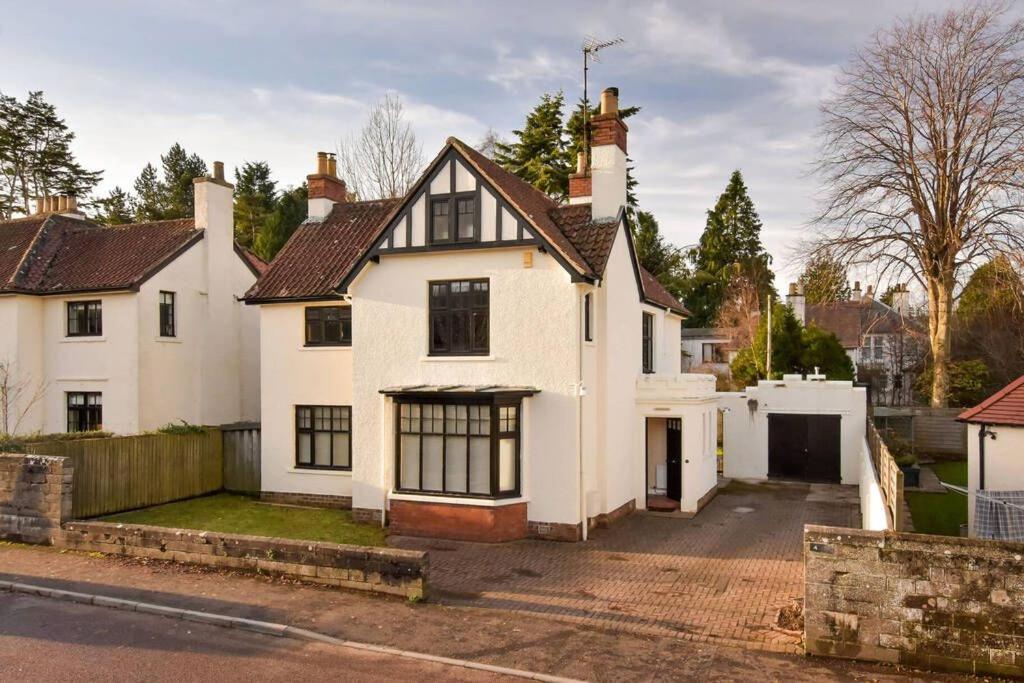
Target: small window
x=466, y=219
x=588, y=333
x=453, y=219
x=85, y=411
x=323, y=437
x=85, y=318
x=647, y=339
x=329, y=326
x=167, y=319
x=440, y=225
x=879, y=349
x=459, y=318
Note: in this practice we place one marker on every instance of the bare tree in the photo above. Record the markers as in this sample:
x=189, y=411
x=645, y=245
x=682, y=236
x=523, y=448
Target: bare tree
x=384, y=159
x=17, y=396
x=923, y=157
x=488, y=146
x=740, y=312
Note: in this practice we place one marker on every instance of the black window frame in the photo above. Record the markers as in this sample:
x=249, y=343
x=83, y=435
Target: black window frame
x=88, y=415
x=345, y=417
x=443, y=310
x=647, y=341
x=588, y=317
x=344, y=321
x=168, y=314
x=496, y=419
x=84, y=318
x=452, y=201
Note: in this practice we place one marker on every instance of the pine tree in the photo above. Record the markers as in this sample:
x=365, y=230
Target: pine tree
x=115, y=208
x=180, y=169
x=540, y=152
x=660, y=258
x=288, y=213
x=148, y=204
x=824, y=280
x=732, y=236
x=255, y=198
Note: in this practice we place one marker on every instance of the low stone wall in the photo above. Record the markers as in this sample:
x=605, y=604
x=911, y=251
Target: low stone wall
x=379, y=570
x=35, y=496
x=934, y=602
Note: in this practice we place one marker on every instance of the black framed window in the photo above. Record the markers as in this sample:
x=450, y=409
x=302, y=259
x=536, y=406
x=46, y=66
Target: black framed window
x=323, y=437
x=588, y=317
x=85, y=411
x=167, y=317
x=85, y=318
x=453, y=218
x=647, y=337
x=458, y=448
x=459, y=318
x=329, y=326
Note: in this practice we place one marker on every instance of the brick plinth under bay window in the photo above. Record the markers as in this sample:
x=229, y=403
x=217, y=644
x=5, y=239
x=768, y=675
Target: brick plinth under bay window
x=489, y=524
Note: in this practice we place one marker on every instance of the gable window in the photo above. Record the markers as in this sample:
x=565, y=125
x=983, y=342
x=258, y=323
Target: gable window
x=167, y=319
x=323, y=437
x=459, y=318
x=588, y=317
x=85, y=411
x=85, y=318
x=453, y=219
x=458, y=448
x=647, y=339
x=329, y=326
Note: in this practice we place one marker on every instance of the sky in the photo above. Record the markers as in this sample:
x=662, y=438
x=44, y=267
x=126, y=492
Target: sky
x=723, y=84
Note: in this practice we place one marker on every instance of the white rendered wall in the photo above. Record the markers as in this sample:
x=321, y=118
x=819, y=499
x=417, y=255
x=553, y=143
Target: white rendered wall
x=22, y=353
x=872, y=503
x=1004, y=463
x=293, y=374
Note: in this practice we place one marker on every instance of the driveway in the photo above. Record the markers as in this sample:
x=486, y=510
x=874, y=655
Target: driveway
x=720, y=577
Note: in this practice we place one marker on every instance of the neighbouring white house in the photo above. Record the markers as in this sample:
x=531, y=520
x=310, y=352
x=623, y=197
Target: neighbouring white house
x=476, y=361
x=796, y=428
x=995, y=464
x=706, y=349
x=130, y=327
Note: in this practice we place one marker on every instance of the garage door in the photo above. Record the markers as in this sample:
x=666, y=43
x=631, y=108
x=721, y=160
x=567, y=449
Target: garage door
x=804, y=447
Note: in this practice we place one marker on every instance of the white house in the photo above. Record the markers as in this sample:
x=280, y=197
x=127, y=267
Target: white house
x=130, y=327
x=476, y=361
x=995, y=464
x=706, y=349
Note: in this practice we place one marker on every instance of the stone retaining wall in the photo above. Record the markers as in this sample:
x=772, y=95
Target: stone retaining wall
x=35, y=496
x=379, y=570
x=935, y=602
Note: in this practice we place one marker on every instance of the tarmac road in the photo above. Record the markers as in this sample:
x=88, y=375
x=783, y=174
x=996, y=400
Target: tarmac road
x=52, y=640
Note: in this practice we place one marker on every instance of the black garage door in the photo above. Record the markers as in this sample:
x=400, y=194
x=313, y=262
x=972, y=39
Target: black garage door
x=804, y=447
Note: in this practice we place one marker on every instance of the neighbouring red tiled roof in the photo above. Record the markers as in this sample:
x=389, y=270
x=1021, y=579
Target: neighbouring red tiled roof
x=592, y=240
x=321, y=253
x=655, y=293
x=1005, y=407
x=56, y=253
x=851, y=320
x=257, y=265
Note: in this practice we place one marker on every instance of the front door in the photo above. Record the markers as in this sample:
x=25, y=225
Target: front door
x=674, y=458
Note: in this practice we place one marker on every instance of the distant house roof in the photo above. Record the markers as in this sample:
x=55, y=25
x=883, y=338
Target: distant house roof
x=1005, y=407
x=713, y=333
x=257, y=265
x=851, y=320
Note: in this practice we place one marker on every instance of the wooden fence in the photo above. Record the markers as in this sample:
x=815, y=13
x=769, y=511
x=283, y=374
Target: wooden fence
x=929, y=430
x=242, y=457
x=129, y=472
x=890, y=477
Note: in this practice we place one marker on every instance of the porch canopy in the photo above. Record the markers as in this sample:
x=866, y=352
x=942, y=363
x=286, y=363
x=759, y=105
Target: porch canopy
x=484, y=392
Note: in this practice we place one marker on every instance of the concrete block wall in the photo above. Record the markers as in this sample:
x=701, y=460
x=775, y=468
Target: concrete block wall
x=35, y=496
x=934, y=602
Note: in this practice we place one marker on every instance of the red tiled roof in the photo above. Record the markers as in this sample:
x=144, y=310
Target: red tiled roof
x=257, y=265
x=592, y=240
x=851, y=320
x=655, y=293
x=320, y=254
x=55, y=253
x=1005, y=407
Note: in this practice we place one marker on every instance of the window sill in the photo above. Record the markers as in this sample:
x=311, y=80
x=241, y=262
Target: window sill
x=82, y=340
x=326, y=347
x=457, y=359
x=456, y=500
x=330, y=473
x=167, y=340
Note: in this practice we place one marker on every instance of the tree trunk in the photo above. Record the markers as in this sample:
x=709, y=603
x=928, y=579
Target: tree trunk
x=940, y=307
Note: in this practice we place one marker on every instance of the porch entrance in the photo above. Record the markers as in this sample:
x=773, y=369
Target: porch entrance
x=664, y=438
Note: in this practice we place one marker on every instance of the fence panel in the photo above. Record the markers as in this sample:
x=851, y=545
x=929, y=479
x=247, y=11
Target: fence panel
x=930, y=430
x=890, y=477
x=242, y=457
x=128, y=472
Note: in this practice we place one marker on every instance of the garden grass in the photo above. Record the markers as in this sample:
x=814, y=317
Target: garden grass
x=230, y=513
x=941, y=513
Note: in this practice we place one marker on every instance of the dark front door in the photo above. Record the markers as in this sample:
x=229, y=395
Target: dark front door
x=674, y=458
x=804, y=447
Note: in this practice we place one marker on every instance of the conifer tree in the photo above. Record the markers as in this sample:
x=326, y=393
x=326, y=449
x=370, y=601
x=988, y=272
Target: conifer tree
x=659, y=257
x=540, y=152
x=824, y=280
x=115, y=208
x=180, y=169
x=288, y=213
x=148, y=203
x=255, y=198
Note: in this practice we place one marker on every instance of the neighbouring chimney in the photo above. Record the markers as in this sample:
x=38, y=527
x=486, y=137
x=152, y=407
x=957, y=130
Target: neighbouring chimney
x=608, y=158
x=797, y=301
x=325, y=187
x=218, y=171
x=214, y=214
x=579, y=182
x=64, y=204
x=901, y=299
x=855, y=293
x=869, y=292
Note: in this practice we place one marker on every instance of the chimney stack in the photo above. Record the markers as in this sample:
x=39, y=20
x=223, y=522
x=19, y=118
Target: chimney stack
x=607, y=158
x=855, y=293
x=579, y=182
x=901, y=299
x=797, y=301
x=325, y=187
x=218, y=171
x=65, y=204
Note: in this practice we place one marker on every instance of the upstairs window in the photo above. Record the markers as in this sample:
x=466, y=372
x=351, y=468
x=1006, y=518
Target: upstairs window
x=85, y=318
x=167, y=318
x=453, y=219
x=588, y=317
x=647, y=339
x=85, y=411
x=329, y=326
x=459, y=318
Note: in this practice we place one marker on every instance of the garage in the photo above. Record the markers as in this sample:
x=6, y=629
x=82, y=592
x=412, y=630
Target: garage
x=804, y=447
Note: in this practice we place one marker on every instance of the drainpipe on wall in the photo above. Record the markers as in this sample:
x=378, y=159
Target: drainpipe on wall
x=580, y=392
x=982, y=433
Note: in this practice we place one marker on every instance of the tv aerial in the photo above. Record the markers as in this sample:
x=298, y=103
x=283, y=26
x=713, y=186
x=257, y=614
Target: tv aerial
x=591, y=47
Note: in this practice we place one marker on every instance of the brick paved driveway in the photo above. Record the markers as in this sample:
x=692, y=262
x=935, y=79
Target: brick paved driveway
x=719, y=577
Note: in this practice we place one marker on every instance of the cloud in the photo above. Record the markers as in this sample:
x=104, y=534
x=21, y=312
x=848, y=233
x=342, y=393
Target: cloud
x=515, y=71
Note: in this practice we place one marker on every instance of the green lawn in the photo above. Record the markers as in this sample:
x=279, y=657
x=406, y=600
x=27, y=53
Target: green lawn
x=229, y=513
x=941, y=513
